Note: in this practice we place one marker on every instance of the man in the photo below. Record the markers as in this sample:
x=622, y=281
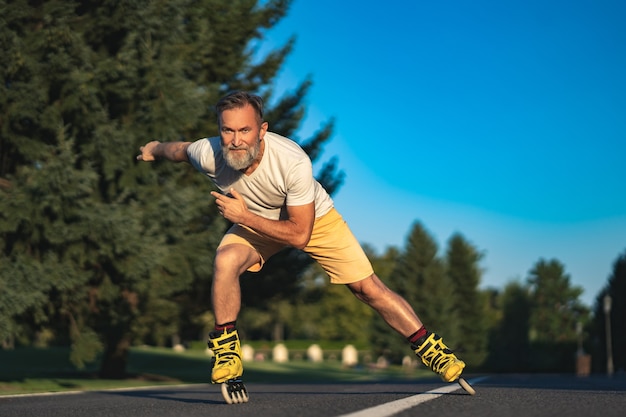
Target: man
x=270, y=195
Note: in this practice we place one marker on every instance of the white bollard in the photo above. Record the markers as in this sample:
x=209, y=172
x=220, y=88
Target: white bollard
x=315, y=354
x=349, y=356
x=382, y=362
x=409, y=362
x=280, y=353
x=247, y=353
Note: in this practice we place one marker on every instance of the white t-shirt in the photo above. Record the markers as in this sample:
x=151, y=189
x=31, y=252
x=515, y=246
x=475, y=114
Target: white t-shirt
x=283, y=178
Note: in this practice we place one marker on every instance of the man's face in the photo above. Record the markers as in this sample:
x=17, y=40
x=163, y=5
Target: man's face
x=241, y=135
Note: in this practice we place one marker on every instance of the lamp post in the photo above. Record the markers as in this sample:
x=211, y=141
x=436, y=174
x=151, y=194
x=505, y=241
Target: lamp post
x=609, y=348
x=579, y=333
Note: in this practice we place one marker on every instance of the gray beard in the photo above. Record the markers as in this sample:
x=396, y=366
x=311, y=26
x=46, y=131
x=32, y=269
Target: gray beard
x=241, y=162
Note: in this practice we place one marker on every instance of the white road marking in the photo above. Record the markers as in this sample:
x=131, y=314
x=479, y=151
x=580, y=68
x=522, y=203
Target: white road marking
x=394, y=407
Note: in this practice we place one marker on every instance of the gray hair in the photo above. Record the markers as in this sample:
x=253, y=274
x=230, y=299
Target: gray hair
x=239, y=99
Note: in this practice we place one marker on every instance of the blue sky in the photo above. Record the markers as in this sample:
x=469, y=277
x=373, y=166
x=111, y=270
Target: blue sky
x=503, y=121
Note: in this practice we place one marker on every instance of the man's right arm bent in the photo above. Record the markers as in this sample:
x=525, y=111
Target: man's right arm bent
x=172, y=151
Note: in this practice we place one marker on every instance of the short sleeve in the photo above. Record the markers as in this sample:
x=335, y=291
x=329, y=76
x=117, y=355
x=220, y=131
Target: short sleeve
x=301, y=185
x=201, y=155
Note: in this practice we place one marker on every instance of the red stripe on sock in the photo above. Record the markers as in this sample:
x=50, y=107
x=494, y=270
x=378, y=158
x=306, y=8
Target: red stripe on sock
x=225, y=326
x=416, y=336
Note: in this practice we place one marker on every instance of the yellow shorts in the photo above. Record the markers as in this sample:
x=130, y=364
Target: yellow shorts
x=332, y=245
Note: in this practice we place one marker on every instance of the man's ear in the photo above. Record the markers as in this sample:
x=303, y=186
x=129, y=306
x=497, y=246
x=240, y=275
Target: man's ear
x=264, y=127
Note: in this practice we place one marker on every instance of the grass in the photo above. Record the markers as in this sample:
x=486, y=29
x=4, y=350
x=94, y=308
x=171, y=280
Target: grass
x=32, y=370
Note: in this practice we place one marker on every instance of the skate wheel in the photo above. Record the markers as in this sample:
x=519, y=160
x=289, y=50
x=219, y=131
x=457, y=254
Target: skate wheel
x=466, y=386
x=234, y=392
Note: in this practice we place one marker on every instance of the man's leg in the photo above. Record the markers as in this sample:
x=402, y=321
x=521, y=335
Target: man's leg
x=230, y=262
x=339, y=253
x=400, y=316
x=240, y=250
x=394, y=309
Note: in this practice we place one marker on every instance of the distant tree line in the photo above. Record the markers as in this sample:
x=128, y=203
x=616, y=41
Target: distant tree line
x=101, y=253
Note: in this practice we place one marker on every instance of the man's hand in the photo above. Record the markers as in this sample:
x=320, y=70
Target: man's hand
x=294, y=231
x=232, y=208
x=147, y=151
x=169, y=151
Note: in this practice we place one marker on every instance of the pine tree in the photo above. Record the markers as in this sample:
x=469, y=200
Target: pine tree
x=342, y=317
x=555, y=302
x=419, y=277
x=616, y=289
x=555, y=310
x=463, y=269
x=509, y=344
x=95, y=244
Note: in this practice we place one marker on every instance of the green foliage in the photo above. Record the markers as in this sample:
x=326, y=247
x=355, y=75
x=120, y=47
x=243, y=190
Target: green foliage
x=317, y=310
x=419, y=276
x=617, y=290
x=537, y=331
x=383, y=264
x=105, y=252
x=463, y=269
x=342, y=316
x=509, y=345
x=555, y=304
x=616, y=320
x=85, y=347
x=94, y=244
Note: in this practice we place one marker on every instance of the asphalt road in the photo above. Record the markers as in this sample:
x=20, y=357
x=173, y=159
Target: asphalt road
x=497, y=395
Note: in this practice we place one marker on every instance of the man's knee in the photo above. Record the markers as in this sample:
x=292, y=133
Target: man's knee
x=235, y=258
x=368, y=289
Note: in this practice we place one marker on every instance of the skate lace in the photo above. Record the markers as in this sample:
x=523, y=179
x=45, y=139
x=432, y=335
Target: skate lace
x=225, y=350
x=226, y=354
x=438, y=360
x=437, y=356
